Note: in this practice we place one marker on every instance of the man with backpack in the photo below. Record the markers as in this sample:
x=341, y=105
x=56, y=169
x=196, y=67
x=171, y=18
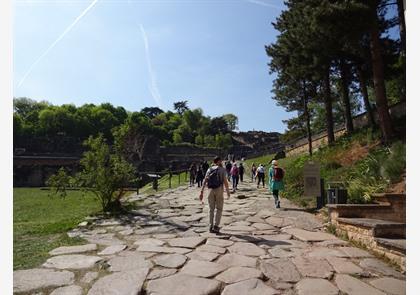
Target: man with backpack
x=261, y=175
x=275, y=179
x=215, y=180
x=241, y=172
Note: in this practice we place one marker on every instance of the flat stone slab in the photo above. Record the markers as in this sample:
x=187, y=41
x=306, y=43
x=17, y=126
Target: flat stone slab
x=190, y=242
x=390, y=285
x=342, y=265
x=182, y=284
x=73, y=261
x=170, y=260
x=255, y=219
x=202, y=268
x=33, y=279
x=89, y=277
x=112, y=249
x=103, y=239
x=202, y=255
x=219, y=242
x=238, y=273
x=211, y=248
x=149, y=242
x=280, y=270
x=73, y=249
x=309, y=286
x=263, y=226
x=160, y=249
x=313, y=267
x=244, y=228
x=309, y=236
x=286, y=244
x=353, y=286
x=265, y=213
x=161, y=273
x=331, y=243
x=129, y=262
x=233, y=259
x=279, y=252
x=247, y=249
x=122, y=283
x=325, y=252
x=378, y=266
x=249, y=287
x=354, y=252
x=164, y=236
x=275, y=221
x=68, y=290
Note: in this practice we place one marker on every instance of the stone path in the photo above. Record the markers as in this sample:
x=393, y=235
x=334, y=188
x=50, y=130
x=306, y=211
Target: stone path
x=164, y=247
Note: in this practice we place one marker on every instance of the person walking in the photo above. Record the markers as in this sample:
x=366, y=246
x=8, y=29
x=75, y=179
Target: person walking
x=275, y=181
x=253, y=172
x=261, y=175
x=234, y=172
x=241, y=172
x=193, y=171
x=205, y=167
x=228, y=166
x=215, y=180
x=200, y=176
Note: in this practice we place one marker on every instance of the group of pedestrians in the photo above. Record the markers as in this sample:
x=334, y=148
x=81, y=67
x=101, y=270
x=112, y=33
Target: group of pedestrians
x=197, y=173
x=218, y=177
x=258, y=173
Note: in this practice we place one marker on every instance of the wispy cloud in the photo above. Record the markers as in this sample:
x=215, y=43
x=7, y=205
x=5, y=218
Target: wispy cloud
x=153, y=88
x=68, y=29
x=262, y=3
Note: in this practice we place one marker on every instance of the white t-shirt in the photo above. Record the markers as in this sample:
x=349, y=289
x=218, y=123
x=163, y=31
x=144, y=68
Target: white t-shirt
x=260, y=169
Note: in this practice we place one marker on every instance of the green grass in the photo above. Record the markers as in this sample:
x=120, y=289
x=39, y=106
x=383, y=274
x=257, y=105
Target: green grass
x=41, y=221
x=163, y=183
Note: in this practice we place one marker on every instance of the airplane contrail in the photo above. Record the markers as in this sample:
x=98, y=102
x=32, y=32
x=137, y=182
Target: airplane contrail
x=261, y=3
x=57, y=40
x=153, y=88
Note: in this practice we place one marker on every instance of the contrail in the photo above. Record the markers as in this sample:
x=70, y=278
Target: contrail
x=57, y=40
x=261, y=3
x=153, y=88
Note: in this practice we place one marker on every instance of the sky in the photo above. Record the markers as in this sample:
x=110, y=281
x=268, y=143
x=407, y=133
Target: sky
x=135, y=54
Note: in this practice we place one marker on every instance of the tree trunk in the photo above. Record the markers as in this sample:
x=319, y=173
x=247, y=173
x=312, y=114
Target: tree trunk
x=364, y=91
x=328, y=107
x=308, y=118
x=344, y=72
x=379, y=83
x=401, y=18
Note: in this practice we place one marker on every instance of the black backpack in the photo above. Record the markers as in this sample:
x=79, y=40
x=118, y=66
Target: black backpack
x=214, y=180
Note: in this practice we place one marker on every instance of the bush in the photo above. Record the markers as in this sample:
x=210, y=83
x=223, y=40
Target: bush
x=394, y=165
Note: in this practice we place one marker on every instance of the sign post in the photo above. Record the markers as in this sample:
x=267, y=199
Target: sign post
x=313, y=185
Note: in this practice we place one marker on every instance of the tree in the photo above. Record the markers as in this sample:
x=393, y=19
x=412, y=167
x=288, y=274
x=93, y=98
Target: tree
x=181, y=106
x=231, y=121
x=151, y=112
x=104, y=173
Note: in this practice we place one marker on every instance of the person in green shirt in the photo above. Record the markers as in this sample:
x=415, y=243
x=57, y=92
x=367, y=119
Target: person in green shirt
x=275, y=181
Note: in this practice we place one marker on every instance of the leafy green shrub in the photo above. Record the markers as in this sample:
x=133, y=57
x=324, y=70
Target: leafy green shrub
x=394, y=165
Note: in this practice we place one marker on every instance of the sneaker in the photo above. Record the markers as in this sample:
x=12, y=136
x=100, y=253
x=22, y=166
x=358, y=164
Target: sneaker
x=216, y=229
x=211, y=229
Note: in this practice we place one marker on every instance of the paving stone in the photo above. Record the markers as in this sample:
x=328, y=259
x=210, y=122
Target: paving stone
x=354, y=252
x=233, y=259
x=331, y=243
x=202, y=268
x=284, y=253
x=89, y=277
x=263, y=226
x=249, y=287
x=313, y=267
x=189, y=233
x=73, y=249
x=160, y=249
x=238, y=273
x=202, y=255
x=309, y=286
x=275, y=221
x=389, y=285
x=129, y=262
x=279, y=285
x=353, y=286
x=126, y=232
x=161, y=273
x=211, y=248
x=190, y=242
x=170, y=260
x=149, y=242
x=103, y=239
x=342, y=265
x=73, y=261
x=164, y=236
x=181, y=284
x=122, y=283
x=28, y=280
x=265, y=213
x=242, y=228
x=280, y=270
x=178, y=223
x=247, y=249
x=255, y=219
x=195, y=217
x=112, y=249
x=378, y=266
x=325, y=252
x=68, y=290
x=153, y=230
x=219, y=242
x=309, y=236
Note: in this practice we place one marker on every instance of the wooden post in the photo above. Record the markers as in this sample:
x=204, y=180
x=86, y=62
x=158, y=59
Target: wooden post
x=170, y=179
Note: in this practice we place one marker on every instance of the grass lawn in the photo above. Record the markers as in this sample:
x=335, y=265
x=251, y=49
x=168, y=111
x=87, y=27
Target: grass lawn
x=40, y=223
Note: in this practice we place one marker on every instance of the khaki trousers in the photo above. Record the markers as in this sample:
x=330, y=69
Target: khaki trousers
x=216, y=201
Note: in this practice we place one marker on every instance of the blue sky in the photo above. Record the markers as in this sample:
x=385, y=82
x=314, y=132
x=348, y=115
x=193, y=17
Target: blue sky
x=150, y=53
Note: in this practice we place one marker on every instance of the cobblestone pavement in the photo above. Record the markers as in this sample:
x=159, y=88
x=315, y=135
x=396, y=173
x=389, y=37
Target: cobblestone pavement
x=164, y=247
